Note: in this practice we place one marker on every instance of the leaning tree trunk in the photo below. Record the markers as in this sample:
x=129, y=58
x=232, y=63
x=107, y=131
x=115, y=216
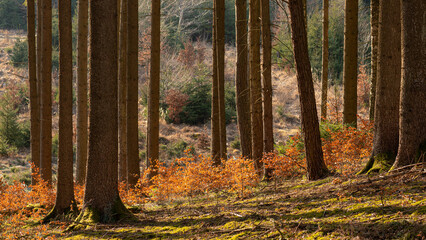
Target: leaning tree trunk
x=46, y=94
x=388, y=87
x=241, y=79
x=81, y=161
x=316, y=168
x=65, y=201
x=412, y=133
x=220, y=48
x=32, y=78
x=255, y=84
x=215, y=122
x=374, y=21
x=154, y=90
x=350, y=66
x=122, y=95
x=133, y=167
x=324, y=74
x=101, y=199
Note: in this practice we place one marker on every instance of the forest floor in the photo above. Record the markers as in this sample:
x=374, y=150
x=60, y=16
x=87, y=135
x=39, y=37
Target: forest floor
x=391, y=206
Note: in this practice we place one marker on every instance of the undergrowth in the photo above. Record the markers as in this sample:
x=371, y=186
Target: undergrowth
x=189, y=177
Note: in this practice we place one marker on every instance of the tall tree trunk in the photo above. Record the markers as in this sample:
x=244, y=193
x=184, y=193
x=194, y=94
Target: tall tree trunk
x=241, y=78
x=412, y=130
x=350, y=66
x=255, y=84
x=82, y=119
x=32, y=79
x=388, y=87
x=133, y=167
x=316, y=168
x=65, y=183
x=154, y=90
x=101, y=199
x=324, y=76
x=220, y=48
x=215, y=122
x=46, y=94
x=268, y=123
x=374, y=22
x=122, y=95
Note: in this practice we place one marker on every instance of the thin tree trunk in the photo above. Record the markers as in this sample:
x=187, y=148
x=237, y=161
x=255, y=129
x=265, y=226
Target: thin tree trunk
x=133, y=167
x=350, y=65
x=241, y=78
x=324, y=76
x=316, y=168
x=220, y=48
x=388, y=88
x=255, y=84
x=32, y=78
x=65, y=184
x=46, y=94
x=268, y=124
x=122, y=95
x=215, y=122
x=101, y=199
x=154, y=90
x=82, y=120
x=412, y=130
x=374, y=21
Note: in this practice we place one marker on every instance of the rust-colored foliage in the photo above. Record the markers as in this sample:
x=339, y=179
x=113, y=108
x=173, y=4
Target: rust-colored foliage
x=193, y=175
x=176, y=100
x=345, y=149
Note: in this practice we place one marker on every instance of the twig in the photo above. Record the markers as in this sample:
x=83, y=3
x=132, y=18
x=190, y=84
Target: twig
x=405, y=167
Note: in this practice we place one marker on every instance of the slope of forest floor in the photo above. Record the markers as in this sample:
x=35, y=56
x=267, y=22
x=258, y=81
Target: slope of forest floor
x=389, y=206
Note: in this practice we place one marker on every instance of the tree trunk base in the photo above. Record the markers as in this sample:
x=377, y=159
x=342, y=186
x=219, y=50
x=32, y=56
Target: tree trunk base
x=61, y=213
x=380, y=163
x=90, y=216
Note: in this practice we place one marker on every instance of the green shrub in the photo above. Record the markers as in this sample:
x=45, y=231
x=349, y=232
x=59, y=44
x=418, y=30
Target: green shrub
x=19, y=54
x=11, y=132
x=177, y=149
x=55, y=146
x=236, y=144
x=328, y=128
x=198, y=108
x=4, y=147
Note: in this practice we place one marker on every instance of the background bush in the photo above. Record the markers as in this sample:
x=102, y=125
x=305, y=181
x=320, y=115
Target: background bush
x=19, y=54
x=13, y=14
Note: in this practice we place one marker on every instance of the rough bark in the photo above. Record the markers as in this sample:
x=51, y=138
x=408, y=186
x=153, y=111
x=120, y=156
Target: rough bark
x=350, y=64
x=412, y=131
x=154, y=90
x=133, y=168
x=65, y=201
x=374, y=22
x=82, y=118
x=388, y=87
x=324, y=72
x=268, y=123
x=122, y=95
x=101, y=199
x=241, y=78
x=316, y=168
x=215, y=122
x=255, y=83
x=220, y=48
x=46, y=94
x=32, y=79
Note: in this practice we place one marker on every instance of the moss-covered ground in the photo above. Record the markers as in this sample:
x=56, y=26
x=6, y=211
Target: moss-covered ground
x=361, y=207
